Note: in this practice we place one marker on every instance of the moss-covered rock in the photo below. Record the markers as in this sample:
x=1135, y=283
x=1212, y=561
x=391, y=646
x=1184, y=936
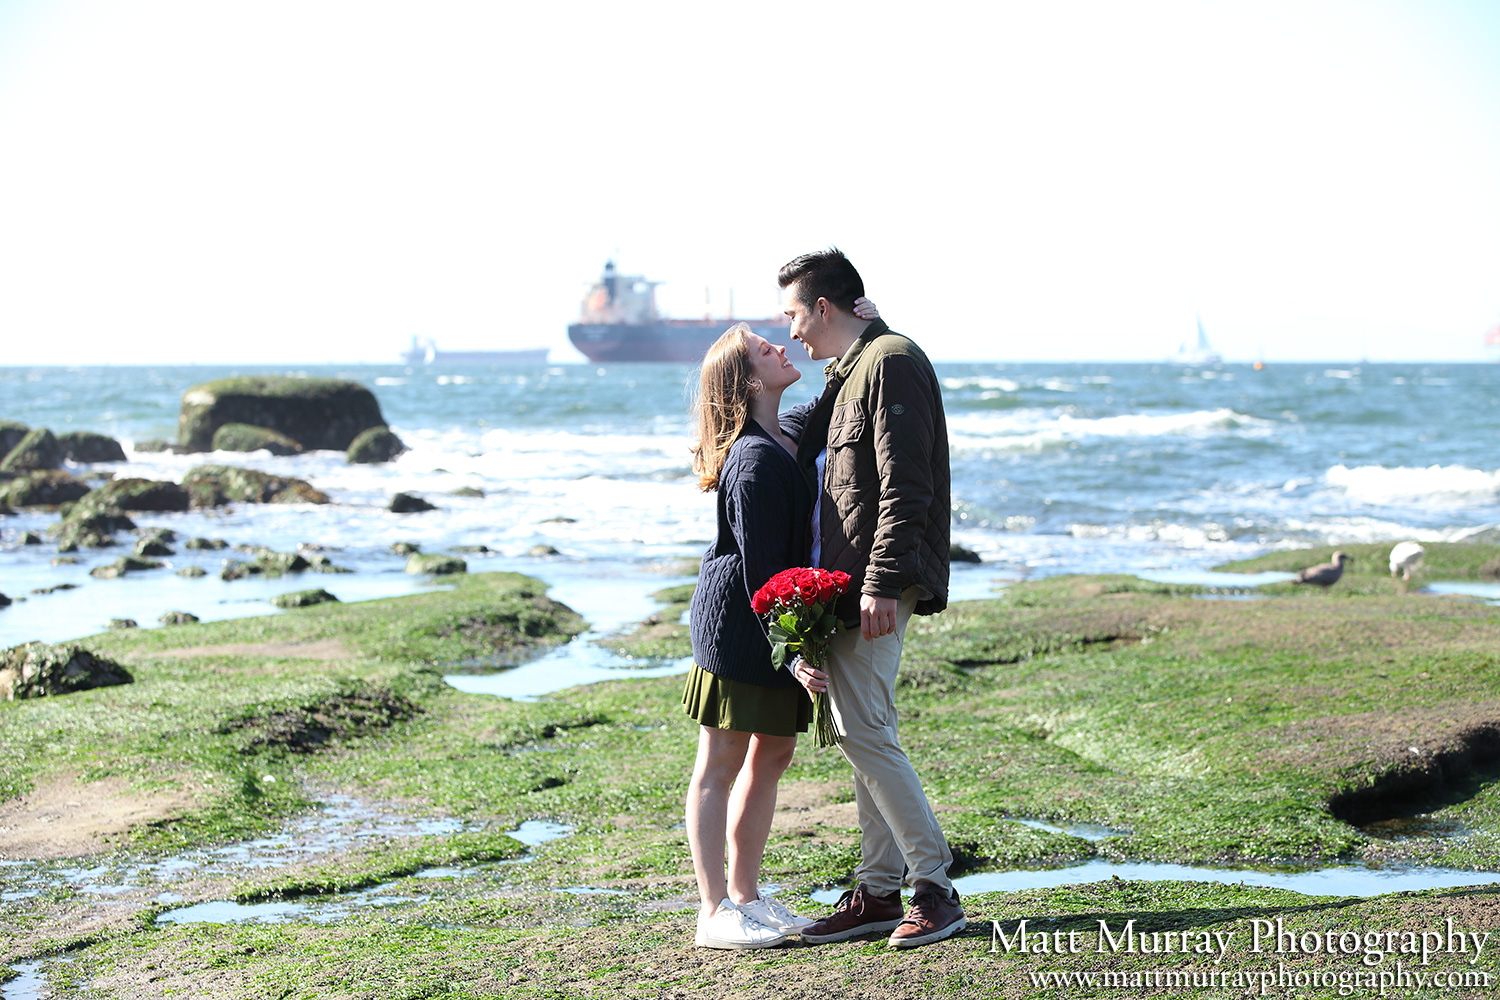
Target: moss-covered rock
x=153, y=446
x=405, y=548
x=123, y=565
x=133, y=495
x=4, y=601
x=303, y=599
x=244, y=437
x=37, y=450
x=88, y=530
x=35, y=670
x=216, y=485
x=205, y=544
x=178, y=618
x=192, y=572
x=87, y=446
x=44, y=488
x=319, y=562
x=266, y=563
x=436, y=564
x=150, y=546
x=375, y=444
x=11, y=434
x=319, y=413
x=279, y=563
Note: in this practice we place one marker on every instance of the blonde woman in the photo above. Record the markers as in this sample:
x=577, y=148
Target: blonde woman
x=749, y=713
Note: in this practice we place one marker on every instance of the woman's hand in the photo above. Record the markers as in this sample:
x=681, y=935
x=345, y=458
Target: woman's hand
x=814, y=680
x=865, y=309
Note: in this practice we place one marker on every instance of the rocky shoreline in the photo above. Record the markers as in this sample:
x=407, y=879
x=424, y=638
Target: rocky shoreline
x=1193, y=731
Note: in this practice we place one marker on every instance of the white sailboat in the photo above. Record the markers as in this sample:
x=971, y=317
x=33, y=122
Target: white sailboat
x=1197, y=352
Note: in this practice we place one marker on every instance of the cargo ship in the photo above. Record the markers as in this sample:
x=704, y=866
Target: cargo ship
x=425, y=352
x=619, y=322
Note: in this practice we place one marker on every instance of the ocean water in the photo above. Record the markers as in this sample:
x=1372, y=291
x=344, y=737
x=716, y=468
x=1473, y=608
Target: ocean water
x=1057, y=468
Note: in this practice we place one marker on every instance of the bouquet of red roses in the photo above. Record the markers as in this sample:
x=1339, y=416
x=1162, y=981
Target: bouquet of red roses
x=798, y=607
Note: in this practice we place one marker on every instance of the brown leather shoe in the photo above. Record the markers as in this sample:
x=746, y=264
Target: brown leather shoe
x=933, y=915
x=859, y=911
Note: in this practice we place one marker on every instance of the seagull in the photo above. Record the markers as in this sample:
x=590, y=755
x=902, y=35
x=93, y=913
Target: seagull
x=1324, y=575
x=1406, y=557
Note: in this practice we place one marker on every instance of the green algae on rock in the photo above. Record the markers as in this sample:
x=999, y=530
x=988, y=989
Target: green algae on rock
x=245, y=437
x=303, y=598
x=36, y=670
x=375, y=445
x=216, y=485
x=37, y=450
x=87, y=447
x=42, y=488
x=435, y=564
x=319, y=413
x=123, y=565
x=11, y=434
x=132, y=495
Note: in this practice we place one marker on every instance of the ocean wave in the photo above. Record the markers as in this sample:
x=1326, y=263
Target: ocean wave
x=1449, y=485
x=1184, y=536
x=1038, y=430
x=981, y=382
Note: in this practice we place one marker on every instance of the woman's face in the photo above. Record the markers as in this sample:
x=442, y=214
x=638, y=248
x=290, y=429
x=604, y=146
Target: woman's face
x=769, y=364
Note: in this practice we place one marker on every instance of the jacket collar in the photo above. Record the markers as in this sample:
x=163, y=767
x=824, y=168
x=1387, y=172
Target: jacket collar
x=843, y=366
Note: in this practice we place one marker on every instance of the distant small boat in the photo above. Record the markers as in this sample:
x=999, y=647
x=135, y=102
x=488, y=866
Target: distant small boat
x=425, y=352
x=1197, y=352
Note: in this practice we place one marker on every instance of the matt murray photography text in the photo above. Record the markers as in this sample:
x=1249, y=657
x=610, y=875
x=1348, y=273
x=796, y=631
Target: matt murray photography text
x=1270, y=937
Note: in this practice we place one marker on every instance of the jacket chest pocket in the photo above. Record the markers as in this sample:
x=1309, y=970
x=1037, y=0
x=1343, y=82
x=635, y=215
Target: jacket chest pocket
x=847, y=431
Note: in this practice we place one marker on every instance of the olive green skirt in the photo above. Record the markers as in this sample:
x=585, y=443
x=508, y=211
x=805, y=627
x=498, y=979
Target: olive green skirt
x=720, y=703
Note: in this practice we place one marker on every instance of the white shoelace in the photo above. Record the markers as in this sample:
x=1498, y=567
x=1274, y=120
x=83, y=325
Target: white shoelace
x=779, y=909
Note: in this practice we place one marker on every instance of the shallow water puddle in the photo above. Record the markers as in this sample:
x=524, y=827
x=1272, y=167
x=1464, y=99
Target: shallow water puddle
x=323, y=910
x=1489, y=591
x=1083, y=831
x=1211, y=578
x=31, y=983
x=1345, y=881
x=340, y=823
x=609, y=602
x=326, y=909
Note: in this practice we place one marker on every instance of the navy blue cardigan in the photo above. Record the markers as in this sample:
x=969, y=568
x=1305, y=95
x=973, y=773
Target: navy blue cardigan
x=765, y=505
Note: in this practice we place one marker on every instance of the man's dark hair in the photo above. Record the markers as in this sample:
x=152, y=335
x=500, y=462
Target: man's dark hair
x=824, y=275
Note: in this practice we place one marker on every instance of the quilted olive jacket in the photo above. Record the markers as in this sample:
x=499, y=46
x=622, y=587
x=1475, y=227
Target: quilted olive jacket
x=884, y=507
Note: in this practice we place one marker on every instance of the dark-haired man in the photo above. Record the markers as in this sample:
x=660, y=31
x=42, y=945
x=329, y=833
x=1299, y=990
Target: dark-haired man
x=877, y=444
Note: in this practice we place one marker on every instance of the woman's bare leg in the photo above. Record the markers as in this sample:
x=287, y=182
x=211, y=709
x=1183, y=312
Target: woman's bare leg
x=721, y=752
x=751, y=805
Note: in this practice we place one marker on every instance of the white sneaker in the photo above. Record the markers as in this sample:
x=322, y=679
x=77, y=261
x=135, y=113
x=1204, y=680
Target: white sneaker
x=731, y=927
x=774, y=914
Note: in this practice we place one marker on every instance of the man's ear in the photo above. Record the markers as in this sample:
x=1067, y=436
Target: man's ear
x=824, y=308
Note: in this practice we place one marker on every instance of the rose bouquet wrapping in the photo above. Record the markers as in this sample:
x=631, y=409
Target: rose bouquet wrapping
x=798, y=607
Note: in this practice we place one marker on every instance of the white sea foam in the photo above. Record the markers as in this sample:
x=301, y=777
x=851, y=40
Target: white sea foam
x=1448, y=485
x=1038, y=430
x=981, y=382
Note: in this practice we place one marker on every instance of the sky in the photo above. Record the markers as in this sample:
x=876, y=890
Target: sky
x=193, y=181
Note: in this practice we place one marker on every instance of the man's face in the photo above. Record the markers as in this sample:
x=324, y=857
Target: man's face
x=809, y=323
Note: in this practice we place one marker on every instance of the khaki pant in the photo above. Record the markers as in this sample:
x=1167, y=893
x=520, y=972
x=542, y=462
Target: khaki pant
x=897, y=827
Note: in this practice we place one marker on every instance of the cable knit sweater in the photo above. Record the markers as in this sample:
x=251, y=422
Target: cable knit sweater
x=763, y=528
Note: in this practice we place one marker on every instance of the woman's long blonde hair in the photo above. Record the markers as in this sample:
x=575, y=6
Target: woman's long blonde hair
x=725, y=385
